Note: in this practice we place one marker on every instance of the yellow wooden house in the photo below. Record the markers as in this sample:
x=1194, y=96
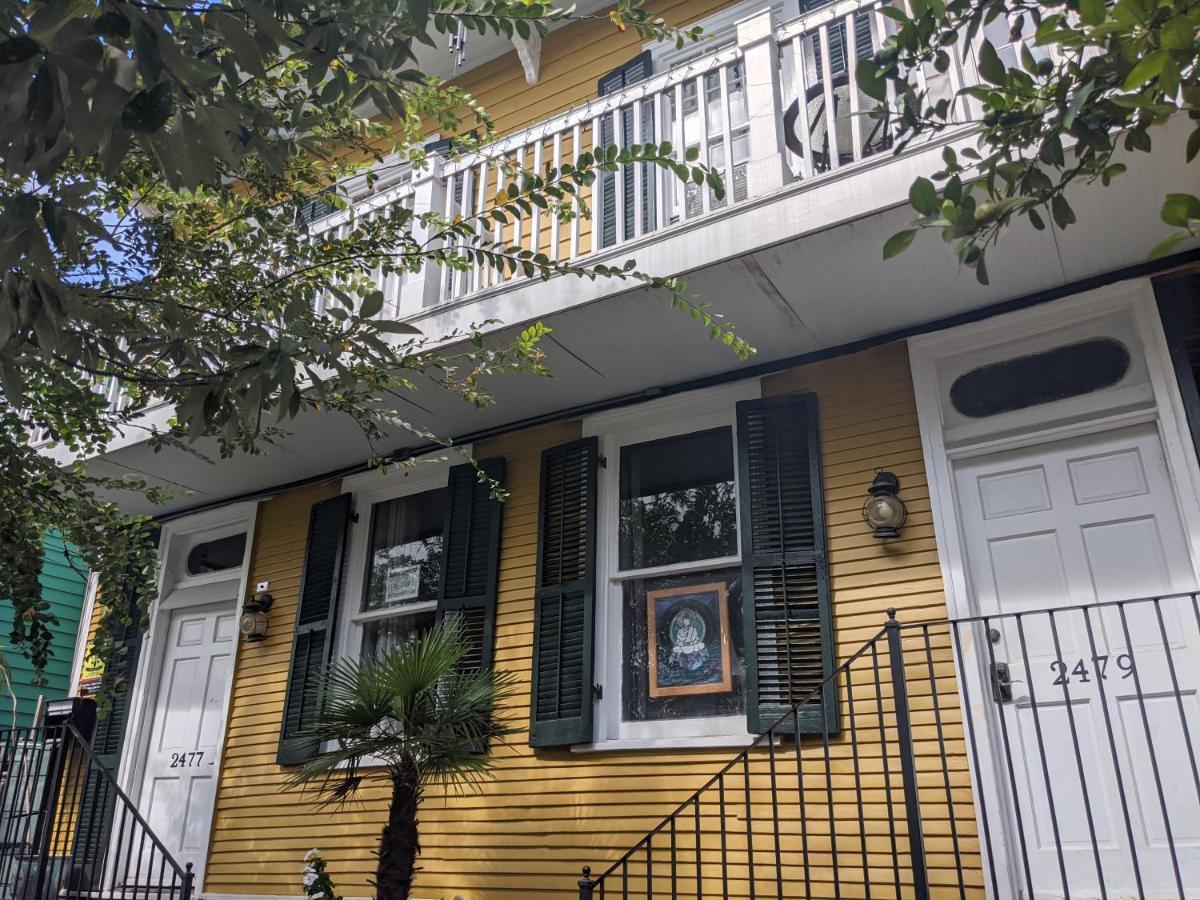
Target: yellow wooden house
x=902, y=607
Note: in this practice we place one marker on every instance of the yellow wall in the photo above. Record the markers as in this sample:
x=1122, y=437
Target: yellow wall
x=526, y=833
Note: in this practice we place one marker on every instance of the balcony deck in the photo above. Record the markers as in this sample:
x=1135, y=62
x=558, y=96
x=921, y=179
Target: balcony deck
x=792, y=256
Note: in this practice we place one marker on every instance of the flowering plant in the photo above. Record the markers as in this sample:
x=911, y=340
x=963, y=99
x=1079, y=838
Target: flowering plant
x=315, y=880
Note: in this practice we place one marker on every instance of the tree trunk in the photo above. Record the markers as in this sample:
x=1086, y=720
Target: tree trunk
x=398, y=845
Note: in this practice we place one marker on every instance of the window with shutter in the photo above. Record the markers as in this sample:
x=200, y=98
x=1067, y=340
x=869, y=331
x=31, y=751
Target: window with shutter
x=637, y=69
x=787, y=614
x=1179, y=306
x=670, y=648
x=564, y=613
x=320, y=591
x=471, y=557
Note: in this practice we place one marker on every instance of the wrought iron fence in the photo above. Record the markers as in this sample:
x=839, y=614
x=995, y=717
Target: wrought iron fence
x=1029, y=753
x=68, y=831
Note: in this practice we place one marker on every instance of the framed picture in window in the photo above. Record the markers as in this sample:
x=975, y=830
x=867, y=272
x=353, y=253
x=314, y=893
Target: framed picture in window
x=687, y=634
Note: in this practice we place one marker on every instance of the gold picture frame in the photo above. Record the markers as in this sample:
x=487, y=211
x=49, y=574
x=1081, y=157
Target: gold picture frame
x=690, y=667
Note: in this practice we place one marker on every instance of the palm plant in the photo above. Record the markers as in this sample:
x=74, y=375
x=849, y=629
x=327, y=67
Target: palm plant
x=413, y=717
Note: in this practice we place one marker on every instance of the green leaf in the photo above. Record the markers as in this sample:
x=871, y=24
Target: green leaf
x=148, y=110
x=1147, y=69
x=1093, y=12
x=898, y=242
x=923, y=196
x=1169, y=243
x=371, y=305
x=990, y=66
x=1193, y=144
x=1178, y=209
x=1062, y=212
x=871, y=80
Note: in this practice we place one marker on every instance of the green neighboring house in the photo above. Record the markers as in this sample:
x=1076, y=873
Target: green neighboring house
x=64, y=589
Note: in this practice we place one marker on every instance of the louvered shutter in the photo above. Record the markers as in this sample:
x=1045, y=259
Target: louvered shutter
x=785, y=576
x=564, y=611
x=320, y=590
x=97, y=799
x=471, y=558
x=637, y=69
x=837, y=45
x=1179, y=305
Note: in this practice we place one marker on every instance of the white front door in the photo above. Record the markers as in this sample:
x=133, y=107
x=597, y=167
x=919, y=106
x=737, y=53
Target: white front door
x=1095, y=750
x=186, y=730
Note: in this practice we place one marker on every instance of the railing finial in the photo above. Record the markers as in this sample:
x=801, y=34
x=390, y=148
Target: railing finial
x=585, y=884
x=891, y=614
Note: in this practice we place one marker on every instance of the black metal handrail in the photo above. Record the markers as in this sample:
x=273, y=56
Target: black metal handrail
x=942, y=770
x=67, y=830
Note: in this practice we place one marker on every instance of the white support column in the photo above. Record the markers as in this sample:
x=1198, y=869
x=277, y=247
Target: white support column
x=767, y=171
x=424, y=288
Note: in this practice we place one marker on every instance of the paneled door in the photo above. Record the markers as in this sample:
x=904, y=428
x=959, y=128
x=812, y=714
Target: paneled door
x=186, y=730
x=1094, y=708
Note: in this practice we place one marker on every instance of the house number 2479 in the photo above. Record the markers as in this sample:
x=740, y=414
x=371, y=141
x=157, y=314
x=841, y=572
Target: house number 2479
x=1064, y=670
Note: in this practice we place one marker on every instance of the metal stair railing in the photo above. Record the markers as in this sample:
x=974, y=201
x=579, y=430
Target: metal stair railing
x=68, y=831
x=961, y=766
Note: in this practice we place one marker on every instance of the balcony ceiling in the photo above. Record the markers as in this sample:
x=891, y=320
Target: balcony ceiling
x=821, y=291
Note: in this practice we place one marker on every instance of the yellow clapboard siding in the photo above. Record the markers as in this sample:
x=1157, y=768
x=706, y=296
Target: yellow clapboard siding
x=526, y=832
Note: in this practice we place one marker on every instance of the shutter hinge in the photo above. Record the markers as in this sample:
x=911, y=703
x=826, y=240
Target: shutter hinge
x=603, y=462
x=598, y=691
x=354, y=517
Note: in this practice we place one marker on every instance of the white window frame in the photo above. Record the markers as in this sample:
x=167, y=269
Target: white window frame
x=668, y=417
x=369, y=489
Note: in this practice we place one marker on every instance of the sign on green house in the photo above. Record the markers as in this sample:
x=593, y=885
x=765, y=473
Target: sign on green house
x=63, y=587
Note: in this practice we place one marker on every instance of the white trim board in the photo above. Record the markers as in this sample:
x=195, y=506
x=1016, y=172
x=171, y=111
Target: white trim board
x=82, y=632
x=227, y=519
x=1161, y=405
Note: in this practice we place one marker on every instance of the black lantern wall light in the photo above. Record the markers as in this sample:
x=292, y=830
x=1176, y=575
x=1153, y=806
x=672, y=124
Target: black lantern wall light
x=253, y=624
x=884, y=511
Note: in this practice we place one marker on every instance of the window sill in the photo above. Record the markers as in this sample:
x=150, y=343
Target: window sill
x=730, y=741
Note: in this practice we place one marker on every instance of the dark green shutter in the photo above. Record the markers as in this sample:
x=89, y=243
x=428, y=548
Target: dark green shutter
x=785, y=576
x=637, y=69
x=471, y=558
x=564, y=611
x=312, y=645
x=1179, y=305
x=97, y=799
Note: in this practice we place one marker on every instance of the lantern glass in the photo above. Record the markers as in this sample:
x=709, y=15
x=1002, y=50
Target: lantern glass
x=884, y=511
x=253, y=625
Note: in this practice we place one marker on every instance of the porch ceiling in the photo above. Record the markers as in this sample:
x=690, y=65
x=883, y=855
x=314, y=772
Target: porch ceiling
x=817, y=292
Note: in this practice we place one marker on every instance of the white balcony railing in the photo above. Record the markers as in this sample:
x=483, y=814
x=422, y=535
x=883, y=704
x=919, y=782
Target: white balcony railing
x=780, y=105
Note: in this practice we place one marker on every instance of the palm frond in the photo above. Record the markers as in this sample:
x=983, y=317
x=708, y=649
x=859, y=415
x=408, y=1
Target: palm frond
x=411, y=710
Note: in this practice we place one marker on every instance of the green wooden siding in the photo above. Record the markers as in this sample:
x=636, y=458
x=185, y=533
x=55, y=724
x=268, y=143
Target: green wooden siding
x=63, y=588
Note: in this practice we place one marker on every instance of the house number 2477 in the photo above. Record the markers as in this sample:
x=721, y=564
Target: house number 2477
x=187, y=760
x=1064, y=670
